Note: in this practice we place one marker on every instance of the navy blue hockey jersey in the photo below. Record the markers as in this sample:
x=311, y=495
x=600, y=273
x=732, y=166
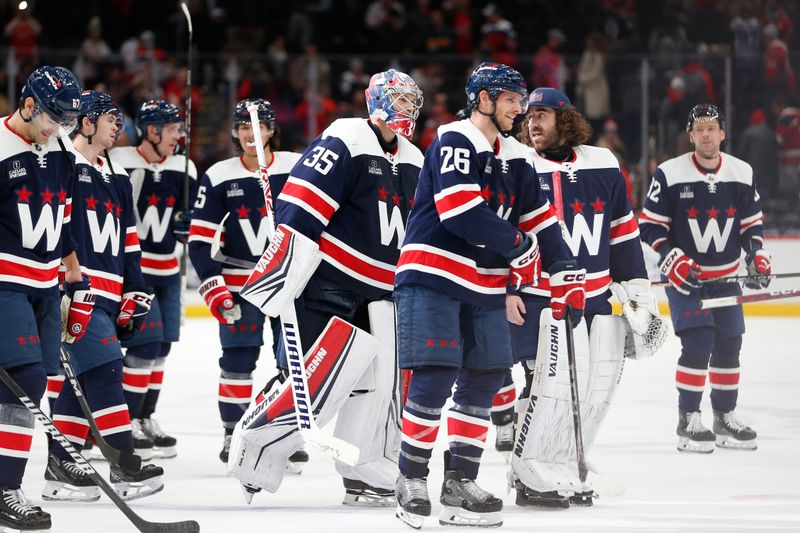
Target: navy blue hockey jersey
x=157, y=195
x=711, y=214
x=229, y=188
x=471, y=199
x=104, y=226
x=35, y=210
x=589, y=196
x=354, y=199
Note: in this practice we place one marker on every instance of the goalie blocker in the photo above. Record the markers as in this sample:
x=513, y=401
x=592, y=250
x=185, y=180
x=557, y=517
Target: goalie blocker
x=267, y=434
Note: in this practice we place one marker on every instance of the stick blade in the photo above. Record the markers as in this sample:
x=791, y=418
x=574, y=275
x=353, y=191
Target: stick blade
x=335, y=447
x=186, y=526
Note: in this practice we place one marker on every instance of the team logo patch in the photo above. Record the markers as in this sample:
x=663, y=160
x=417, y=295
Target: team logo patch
x=686, y=193
x=84, y=176
x=234, y=191
x=374, y=168
x=17, y=170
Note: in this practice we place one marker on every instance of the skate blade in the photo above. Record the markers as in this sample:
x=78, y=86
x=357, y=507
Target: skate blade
x=731, y=443
x=294, y=469
x=456, y=516
x=249, y=492
x=9, y=529
x=165, y=452
x=410, y=519
x=695, y=446
x=134, y=491
x=58, y=491
x=368, y=500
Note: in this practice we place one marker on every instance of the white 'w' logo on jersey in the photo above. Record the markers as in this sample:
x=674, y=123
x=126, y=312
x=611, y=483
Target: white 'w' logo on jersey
x=702, y=240
x=101, y=236
x=48, y=224
x=152, y=222
x=582, y=233
x=256, y=242
x=391, y=225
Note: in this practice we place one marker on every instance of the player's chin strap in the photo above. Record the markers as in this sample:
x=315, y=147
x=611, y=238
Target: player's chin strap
x=155, y=145
x=493, y=117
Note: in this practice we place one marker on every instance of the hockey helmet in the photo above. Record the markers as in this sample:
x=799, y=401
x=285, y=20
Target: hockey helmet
x=708, y=111
x=241, y=115
x=158, y=113
x=388, y=88
x=95, y=103
x=57, y=93
x=495, y=78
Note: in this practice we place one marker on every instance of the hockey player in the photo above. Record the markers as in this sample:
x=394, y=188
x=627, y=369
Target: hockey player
x=104, y=227
x=701, y=211
x=351, y=192
x=36, y=178
x=477, y=186
x=588, y=192
x=157, y=177
x=231, y=191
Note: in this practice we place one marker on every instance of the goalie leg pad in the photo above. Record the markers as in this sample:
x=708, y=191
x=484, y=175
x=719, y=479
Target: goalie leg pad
x=282, y=272
x=268, y=429
x=370, y=417
x=544, y=452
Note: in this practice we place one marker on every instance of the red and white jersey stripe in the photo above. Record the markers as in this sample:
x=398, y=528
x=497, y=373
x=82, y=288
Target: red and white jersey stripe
x=132, y=240
x=457, y=199
x=310, y=198
x=159, y=264
x=624, y=229
x=538, y=219
x=22, y=271
x=202, y=231
x=355, y=264
x=453, y=268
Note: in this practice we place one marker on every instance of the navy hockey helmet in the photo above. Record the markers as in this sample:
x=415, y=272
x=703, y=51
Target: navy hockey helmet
x=57, y=93
x=708, y=111
x=241, y=115
x=95, y=103
x=385, y=90
x=495, y=78
x=157, y=113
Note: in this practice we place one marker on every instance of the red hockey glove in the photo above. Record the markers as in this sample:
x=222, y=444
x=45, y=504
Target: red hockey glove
x=759, y=263
x=133, y=310
x=219, y=300
x=567, y=290
x=680, y=271
x=76, y=309
x=525, y=262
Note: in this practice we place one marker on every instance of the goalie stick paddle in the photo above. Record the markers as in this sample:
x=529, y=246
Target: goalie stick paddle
x=726, y=301
x=186, y=526
x=336, y=447
x=127, y=461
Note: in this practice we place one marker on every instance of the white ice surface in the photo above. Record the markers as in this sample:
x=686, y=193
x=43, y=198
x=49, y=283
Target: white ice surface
x=666, y=490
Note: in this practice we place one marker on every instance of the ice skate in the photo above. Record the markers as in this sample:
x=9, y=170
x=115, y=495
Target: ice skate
x=67, y=481
x=164, y=445
x=359, y=494
x=134, y=485
x=413, y=503
x=583, y=499
x=296, y=462
x=732, y=433
x=466, y=504
x=17, y=514
x=693, y=436
x=527, y=497
x=504, y=440
x=142, y=444
x=226, y=446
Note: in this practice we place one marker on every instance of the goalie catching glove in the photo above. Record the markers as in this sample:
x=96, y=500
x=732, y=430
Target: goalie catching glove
x=133, y=309
x=77, y=305
x=647, y=331
x=219, y=300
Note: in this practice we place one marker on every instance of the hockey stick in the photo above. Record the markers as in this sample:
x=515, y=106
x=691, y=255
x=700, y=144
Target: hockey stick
x=726, y=301
x=186, y=526
x=185, y=199
x=576, y=402
x=736, y=279
x=216, y=249
x=337, y=448
x=128, y=461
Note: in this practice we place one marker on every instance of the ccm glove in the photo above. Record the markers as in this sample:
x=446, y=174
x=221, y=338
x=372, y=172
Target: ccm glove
x=759, y=263
x=220, y=300
x=525, y=261
x=180, y=225
x=680, y=271
x=133, y=310
x=77, y=305
x=567, y=290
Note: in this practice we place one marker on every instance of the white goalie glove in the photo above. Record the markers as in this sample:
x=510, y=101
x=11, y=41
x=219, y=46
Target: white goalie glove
x=647, y=330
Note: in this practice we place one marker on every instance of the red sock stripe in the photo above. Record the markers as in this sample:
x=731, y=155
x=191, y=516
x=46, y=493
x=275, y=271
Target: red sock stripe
x=157, y=377
x=690, y=379
x=54, y=385
x=469, y=429
x=229, y=388
x=420, y=432
x=15, y=441
x=504, y=398
x=113, y=419
x=723, y=379
x=74, y=428
x=135, y=379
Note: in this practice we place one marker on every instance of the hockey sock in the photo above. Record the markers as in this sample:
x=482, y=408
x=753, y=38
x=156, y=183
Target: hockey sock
x=690, y=377
x=468, y=419
x=138, y=365
x=54, y=385
x=503, y=402
x=427, y=394
x=723, y=373
x=154, y=387
x=17, y=423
